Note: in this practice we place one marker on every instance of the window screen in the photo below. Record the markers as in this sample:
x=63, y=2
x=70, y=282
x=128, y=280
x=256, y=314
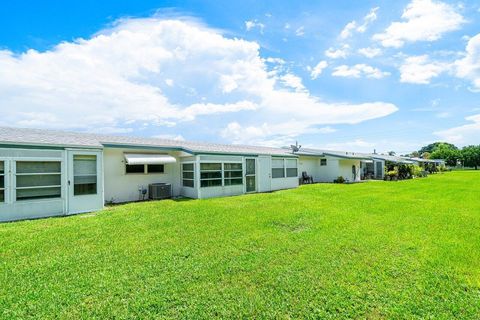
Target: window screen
x=278, y=168
x=233, y=174
x=210, y=174
x=84, y=174
x=2, y=181
x=38, y=180
x=188, y=175
x=292, y=170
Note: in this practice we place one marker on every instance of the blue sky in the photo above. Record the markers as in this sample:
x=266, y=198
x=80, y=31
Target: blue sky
x=340, y=75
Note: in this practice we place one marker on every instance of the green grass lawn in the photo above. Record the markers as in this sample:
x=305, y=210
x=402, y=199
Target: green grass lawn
x=376, y=250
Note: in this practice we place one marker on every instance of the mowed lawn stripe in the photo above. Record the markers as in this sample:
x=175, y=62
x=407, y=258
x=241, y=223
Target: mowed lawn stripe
x=408, y=249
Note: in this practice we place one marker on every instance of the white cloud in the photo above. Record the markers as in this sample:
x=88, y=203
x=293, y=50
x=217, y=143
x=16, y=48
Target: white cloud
x=338, y=53
x=420, y=70
x=357, y=144
x=358, y=71
x=370, y=52
x=177, y=137
x=119, y=79
x=348, y=30
x=352, y=27
x=368, y=19
x=318, y=69
x=292, y=81
x=465, y=134
x=469, y=66
x=423, y=20
x=300, y=31
x=251, y=24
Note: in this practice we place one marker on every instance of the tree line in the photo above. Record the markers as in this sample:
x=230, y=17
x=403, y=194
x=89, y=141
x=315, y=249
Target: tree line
x=468, y=156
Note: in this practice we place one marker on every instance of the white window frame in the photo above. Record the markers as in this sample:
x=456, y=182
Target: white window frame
x=192, y=171
x=287, y=167
x=230, y=178
x=211, y=179
x=223, y=162
x=285, y=175
x=284, y=169
x=15, y=174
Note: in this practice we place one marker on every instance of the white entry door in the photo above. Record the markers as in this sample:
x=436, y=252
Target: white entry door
x=264, y=173
x=85, y=181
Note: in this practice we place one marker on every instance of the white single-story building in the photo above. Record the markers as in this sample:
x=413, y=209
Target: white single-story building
x=52, y=173
x=327, y=165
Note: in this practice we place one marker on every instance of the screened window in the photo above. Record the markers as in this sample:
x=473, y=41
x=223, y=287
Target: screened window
x=323, y=162
x=233, y=174
x=84, y=174
x=155, y=168
x=291, y=165
x=210, y=174
x=135, y=168
x=278, y=168
x=2, y=181
x=38, y=180
x=188, y=175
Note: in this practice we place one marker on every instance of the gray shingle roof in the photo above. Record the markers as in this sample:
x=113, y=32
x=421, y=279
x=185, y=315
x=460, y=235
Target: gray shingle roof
x=339, y=154
x=23, y=136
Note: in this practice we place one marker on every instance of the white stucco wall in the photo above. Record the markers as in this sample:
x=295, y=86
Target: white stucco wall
x=311, y=165
x=335, y=167
x=345, y=169
x=122, y=187
x=284, y=183
x=331, y=171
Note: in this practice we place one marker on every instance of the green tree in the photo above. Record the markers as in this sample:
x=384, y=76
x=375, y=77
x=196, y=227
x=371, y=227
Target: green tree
x=433, y=146
x=446, y=152
x=471, y=156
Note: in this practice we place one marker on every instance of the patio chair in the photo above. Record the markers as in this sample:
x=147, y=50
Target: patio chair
x=306, y=178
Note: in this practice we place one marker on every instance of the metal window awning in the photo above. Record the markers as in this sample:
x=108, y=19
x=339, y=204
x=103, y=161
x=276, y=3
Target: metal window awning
x=148, y=158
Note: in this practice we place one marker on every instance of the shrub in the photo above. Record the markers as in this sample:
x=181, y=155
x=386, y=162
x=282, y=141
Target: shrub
x=417, y=171
x=392, y=173
x=339, y=180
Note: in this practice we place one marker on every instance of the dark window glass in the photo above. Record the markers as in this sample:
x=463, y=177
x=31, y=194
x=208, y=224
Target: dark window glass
x=292, y=172
x=188, y=175
x=211, y=183
x=323, y=162
x=84, y=175
x=210, y=175
x=24, y=181
x=187, y=167
x=188, y=183
x=155, y=168
x=210, y=166
x=233, y=166
x=278, y=173
x=233, y=174
x=233, y=182
x=135, y=168
x=38, y=193
x=38, y=167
